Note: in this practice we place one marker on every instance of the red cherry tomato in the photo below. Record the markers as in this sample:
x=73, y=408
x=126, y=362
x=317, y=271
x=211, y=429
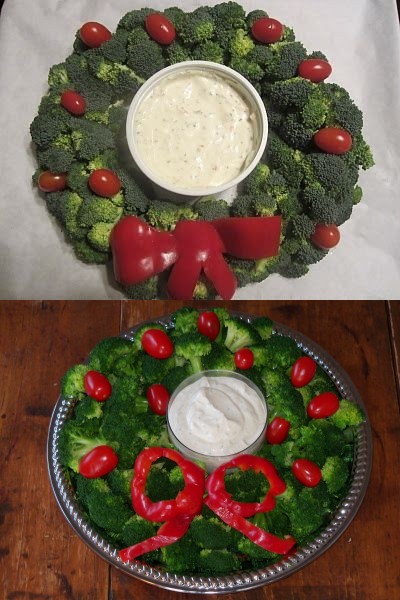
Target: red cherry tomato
x=333, y=140
x=98, y=462
x=326, y=236
x=94, y=34
x=73, y=102
x=322, y=406
x=158, y=397
x=315, y=69
x=52, y=182
x=104, y=182
x=244, y=359
x=97, y=386
x=160, y=29
x=307, y=472
x=267, y=30
x=303, y=371
x=157, y=343
x=208, y=324
x=277, y=431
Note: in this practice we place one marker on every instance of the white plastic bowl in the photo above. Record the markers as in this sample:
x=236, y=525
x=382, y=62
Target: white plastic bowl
x=167, y=190
x=212, y=461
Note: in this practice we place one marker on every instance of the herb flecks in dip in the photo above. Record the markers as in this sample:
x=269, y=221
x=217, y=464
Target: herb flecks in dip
x=195, y=129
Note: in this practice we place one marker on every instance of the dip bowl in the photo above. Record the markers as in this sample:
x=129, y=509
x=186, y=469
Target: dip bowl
x=167, y=190
x=213, y=459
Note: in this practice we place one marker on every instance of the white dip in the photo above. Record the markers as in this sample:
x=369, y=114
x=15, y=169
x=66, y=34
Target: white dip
x=195, y=130
x=217, y=416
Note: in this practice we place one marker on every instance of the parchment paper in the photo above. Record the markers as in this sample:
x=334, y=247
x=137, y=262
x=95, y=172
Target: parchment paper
x=361, y=40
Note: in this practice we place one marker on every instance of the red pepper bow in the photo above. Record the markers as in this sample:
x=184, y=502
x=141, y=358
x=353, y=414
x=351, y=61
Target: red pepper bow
x=141, y=251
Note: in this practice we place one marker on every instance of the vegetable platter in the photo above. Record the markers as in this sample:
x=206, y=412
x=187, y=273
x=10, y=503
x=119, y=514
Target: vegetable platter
x=190, y=571
x=306, y=181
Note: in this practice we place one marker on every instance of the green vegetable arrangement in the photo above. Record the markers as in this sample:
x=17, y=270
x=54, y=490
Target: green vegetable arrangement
x=122, y=420
x=311, y=189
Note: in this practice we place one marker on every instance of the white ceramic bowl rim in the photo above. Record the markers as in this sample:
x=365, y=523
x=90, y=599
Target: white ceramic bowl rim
x=247, y=88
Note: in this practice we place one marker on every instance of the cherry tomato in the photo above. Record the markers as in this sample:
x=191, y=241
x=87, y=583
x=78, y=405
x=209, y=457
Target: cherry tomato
x=104, y=182
x=277, y=431
x=333, y=140
x=158, y=397
x=98, y=462
x=315, y=69
x=52, y=182
x=94, y=34
x=244, y=359
x=73, y=102
x=160, y=29
x=307, y=472
x=326, y=236
x=157, y=343
x=267, y=30
x=322, y=406
x=97, y=386
x=208, y=324
x=303, y=371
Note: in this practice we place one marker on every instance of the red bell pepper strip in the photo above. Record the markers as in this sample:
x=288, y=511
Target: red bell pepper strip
x=216, y=485
x=250, y=237
x=169, y=532
x=188, y=501
x=259, y=536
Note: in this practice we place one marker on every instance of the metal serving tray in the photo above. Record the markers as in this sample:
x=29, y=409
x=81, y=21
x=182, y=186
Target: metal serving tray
x=243, y=580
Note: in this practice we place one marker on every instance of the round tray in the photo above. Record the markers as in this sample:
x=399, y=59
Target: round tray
x=243, y=580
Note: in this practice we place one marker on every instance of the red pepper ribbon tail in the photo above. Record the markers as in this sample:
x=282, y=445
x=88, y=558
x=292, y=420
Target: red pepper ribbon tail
x=221, y=276
x=259, y=536
x=251, y=238
x=168, y=534
x=183, y=278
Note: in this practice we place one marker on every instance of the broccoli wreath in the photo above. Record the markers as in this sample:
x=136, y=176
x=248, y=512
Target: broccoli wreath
x=308, y=174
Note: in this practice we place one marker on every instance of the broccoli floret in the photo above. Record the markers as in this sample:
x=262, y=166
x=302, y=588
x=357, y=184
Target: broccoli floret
x=291, y=93
x=197, y=27
x=88, y=408
x=321, y=382
x=260, y=354
x=185, y=319
x=343, y=112
x=94, y=210
x=286, y=57
x=174, y=377
x=246, y=486
x=146, y=290
x=89, y=139
x=134, y=18
x=263, y=325
x=114, y=49
x=146, y=58
x=153, y=369
x=318, y=54
x=119, y=481
x=335, y=473
x=72, y=385
x=243, y=206
x=210, y=533
x=315, y=110
x=106, y=509
x=75, y=230
x=360, y=154
x=98, y=94
x=119, y=76
x=321, y=207
x=181, y=556
x=249, y=69
x=136, y=201
x=282, y=351
x=319, y=440
x=177, y=53
x=254, y=15
x=209, y=50
x=308, y=511
x=58, y=78
x=256, y=183
x=240, y=43
x=309, y=254
x=192, y=347
x=227, y=16
x=107, y=351
x=45, y=128
x=219, y=358
x=99, y=236
x=209, y=208
x=301, y=226
x=214, y=562
x=239, y=334
x=349, y=414
x=165, y=215
x=55, y=159
x=136, y=530
x=295, y=133
x=77, y=438
x=286, y=161
x=329, y=170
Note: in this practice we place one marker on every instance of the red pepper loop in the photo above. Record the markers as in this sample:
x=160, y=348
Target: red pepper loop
x=141, y=251
x=215, y=485
x=188, y=501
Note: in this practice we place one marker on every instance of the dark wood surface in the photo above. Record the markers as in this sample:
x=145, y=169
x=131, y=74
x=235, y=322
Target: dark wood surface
x=41, y=558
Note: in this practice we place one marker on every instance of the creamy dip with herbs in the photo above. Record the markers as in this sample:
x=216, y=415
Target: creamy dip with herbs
x=195, y=130
x=217, y=416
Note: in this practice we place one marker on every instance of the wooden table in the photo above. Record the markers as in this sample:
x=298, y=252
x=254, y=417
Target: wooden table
x=40, y=556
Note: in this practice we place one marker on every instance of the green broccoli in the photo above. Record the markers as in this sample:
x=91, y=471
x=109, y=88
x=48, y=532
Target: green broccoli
x=136, y=530
x=134, y=18
x=318, y=440
x=88, y=408
x=254, y=15
x=177, y=53
x=285, y=160
x=282, y=351
x=240, y=43
x=349, y=414
x=180, y=557
x=308, y=511
x=239, y=334
x=99, y=236
x=54, y=159
x=146, y=290
x=291, y=93
x=335, y=473
x=263, y=325
x=106, y=509
x=98, y=210
x=185, y=319
x=146, y=58
x=72, y=385
x=217, y=562
x=209, y=50
x=120, y=481
x=58, y=79
x=219, y=358
x=197, y=27
x=107, y=351
x=210, y=533
x=209, y=208
x=227, y=16
x=192, y=347
x=176, y=15
x=286, y=57
x=165, y=215
x=154, y=369
x=89, y=139
x=246, y=67
x=295, y=133
x=114, y=49
x=87, y=254
x=136, y=201
x=174, y=377
x=77, y=438
x=121, y=78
